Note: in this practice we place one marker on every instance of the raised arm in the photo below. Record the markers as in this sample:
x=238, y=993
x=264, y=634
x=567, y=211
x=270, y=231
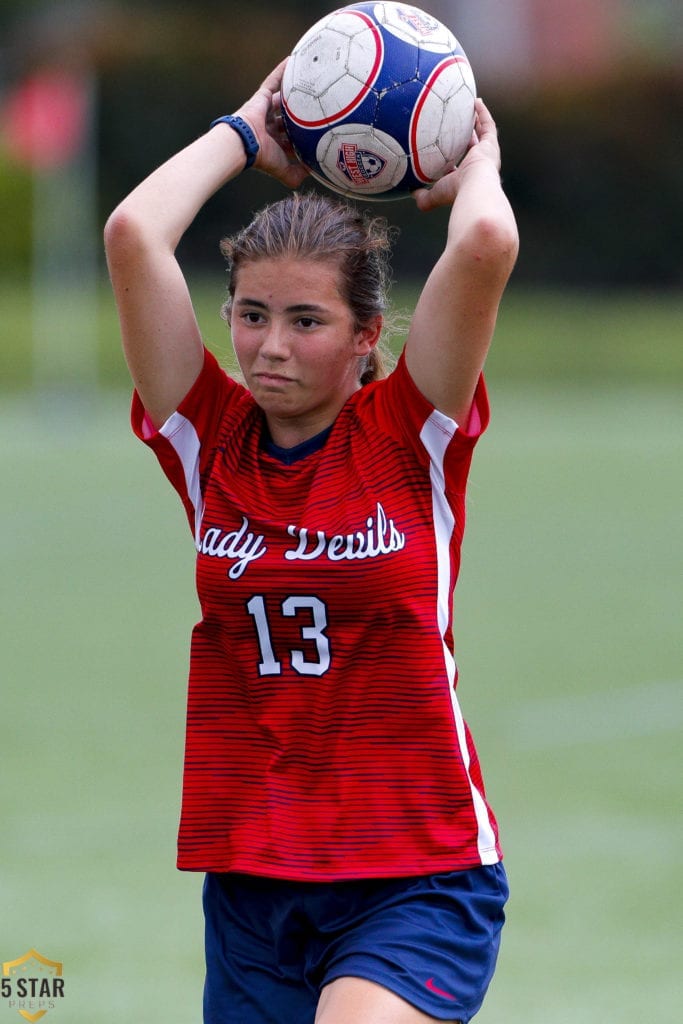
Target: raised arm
x=455, y=316
x=161, y=338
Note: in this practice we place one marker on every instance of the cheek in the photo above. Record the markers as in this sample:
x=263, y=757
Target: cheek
x=328, y=366
x=343, y=362
x=240, y=343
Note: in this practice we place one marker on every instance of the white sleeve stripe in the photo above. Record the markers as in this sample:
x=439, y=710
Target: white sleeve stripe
x=436, y=435
x=183, y=438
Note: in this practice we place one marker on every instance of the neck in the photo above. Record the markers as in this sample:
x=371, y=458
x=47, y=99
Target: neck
x=287, y=434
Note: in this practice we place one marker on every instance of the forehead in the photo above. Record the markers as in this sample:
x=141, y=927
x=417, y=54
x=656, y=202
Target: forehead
x=296, y=279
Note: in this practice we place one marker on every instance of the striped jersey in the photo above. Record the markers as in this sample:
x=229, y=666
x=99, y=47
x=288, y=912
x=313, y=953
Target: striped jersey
x=324, y=739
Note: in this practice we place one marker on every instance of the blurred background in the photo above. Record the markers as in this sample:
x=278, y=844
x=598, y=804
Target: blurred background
x=568, y=612
x=93, y=94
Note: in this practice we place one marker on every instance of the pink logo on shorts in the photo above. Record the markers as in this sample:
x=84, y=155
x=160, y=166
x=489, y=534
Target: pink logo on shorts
x=439, y=991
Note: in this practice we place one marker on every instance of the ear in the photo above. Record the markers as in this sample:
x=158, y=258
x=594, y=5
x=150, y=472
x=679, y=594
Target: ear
x=367, y=337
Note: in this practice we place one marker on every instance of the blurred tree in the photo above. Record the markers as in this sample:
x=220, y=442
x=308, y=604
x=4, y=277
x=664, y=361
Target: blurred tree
x=595, y=176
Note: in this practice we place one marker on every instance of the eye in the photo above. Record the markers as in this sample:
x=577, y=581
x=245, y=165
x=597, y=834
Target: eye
x=307, y=322
x=252, y=316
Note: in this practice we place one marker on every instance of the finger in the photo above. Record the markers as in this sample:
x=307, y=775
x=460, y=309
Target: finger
x=484, y=122
x=441, y=193
x=294, y=175
x=273, y=81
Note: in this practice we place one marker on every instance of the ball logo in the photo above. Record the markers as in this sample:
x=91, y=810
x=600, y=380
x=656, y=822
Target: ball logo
x=418, y=20
x=359, y=165
x=32, y=985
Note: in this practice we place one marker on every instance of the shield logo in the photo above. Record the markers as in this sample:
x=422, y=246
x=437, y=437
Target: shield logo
x=32, y=983
x=359, y=165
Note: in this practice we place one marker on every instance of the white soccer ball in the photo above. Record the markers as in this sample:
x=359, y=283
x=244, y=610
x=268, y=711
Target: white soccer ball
x=378, y=100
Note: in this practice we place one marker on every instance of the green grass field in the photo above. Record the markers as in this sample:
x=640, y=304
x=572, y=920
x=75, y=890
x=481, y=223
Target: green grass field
x=568, y=621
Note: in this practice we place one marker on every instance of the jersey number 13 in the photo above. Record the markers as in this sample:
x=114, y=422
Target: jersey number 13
x=314, y=615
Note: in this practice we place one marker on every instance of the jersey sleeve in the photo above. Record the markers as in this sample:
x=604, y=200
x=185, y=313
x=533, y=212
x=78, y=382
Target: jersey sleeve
x=404, y=412
x=186, y=442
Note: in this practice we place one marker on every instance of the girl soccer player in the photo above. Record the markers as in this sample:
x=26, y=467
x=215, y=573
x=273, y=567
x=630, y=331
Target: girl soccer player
x=332, y=794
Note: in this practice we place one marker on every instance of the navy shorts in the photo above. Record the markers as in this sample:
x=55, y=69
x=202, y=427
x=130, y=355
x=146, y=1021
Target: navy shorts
x=272, y=945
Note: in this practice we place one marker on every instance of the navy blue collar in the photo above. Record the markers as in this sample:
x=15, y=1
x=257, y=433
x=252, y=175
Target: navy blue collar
x=288, y=456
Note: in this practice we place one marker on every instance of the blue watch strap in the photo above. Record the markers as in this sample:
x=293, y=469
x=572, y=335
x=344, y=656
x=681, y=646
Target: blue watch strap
x=249, y=140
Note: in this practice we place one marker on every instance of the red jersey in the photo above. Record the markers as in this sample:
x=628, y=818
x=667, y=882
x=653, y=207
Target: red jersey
x=324, y=739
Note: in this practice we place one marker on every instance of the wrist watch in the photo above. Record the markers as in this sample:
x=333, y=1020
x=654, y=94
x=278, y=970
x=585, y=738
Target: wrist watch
x=249, y=140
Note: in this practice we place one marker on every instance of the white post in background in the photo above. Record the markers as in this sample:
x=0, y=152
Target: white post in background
x=65, y=263
x=64, y=271
x=49, y=122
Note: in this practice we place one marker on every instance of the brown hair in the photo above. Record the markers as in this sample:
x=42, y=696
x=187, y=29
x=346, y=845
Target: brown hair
x=313, y=226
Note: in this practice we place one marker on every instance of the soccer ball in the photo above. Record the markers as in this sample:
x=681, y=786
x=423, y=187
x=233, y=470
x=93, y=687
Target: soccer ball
x=378, y=100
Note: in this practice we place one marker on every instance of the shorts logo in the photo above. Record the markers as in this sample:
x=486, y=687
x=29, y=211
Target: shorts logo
x=439, y=991
x=32, y=985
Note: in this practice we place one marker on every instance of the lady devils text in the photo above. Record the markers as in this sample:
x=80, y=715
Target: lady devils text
x=379, y=536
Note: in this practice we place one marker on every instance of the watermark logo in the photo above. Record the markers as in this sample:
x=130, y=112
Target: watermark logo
x=32, y=985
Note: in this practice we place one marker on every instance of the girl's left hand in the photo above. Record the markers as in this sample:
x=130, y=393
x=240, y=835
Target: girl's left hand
x=483, y=147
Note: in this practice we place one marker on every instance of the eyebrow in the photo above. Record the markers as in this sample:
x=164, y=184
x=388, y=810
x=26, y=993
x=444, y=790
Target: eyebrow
x=300, y=307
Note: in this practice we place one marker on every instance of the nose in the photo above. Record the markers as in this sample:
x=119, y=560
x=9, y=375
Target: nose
x=275, y=344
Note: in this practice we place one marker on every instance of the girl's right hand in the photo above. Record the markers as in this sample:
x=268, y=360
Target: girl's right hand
x=263, y=112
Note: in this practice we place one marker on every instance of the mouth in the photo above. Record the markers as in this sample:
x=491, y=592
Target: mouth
x=272, y=379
